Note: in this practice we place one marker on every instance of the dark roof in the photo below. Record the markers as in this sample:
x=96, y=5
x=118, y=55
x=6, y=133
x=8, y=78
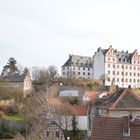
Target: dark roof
x=106, y=128
x=79, y=61
x=123, y=56
x=102, y=50
x=13, y=78
x=123, y=98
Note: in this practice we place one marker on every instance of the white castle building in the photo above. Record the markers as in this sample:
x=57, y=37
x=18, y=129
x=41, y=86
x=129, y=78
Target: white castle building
x=114, y=67
x=78, y=67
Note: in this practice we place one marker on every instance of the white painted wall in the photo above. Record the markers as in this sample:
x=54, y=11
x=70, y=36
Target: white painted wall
x=72, y=71
x=98, y=65
x=82, y=122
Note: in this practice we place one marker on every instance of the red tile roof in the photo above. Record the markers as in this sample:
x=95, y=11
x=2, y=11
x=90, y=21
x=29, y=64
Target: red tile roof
x=54, y=101
x=92, y=94
x=106, y=128
x=79, y=110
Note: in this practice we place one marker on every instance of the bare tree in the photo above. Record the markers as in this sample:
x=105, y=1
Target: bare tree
x=44, y=78
x=39, y=112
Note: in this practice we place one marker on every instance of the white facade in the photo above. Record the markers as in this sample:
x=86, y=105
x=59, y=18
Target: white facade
x=68, y=93
x=98, y=65
x=78, y=67
x=77, y=72
x=119, y=71
x=114, y=67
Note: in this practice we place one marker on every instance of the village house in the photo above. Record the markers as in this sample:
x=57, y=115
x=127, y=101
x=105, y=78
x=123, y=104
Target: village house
x=109, y=128
x=123, y=102
x=18, y=81
x=79, y=113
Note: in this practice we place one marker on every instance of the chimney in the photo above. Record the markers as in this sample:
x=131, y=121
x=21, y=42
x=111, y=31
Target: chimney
x=126, y=126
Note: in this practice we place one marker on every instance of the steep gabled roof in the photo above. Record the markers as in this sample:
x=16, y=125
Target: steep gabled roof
x=122, y=56
x=79, y=61
x=122, y=99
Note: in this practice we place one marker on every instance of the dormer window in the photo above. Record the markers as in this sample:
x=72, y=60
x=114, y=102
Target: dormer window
x=126, y=133
x=126, y=126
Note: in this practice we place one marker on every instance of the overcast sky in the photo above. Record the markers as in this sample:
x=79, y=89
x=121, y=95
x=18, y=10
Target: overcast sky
x=45, y=32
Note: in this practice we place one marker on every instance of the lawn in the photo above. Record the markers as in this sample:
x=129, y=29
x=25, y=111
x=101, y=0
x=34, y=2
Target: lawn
x=15, y=117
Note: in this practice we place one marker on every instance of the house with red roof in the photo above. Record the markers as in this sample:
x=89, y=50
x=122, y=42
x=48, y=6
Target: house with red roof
x=90, y=95
x=123, y=102
x=109, y=128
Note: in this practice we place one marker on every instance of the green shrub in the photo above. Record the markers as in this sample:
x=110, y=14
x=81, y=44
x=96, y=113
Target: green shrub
x=90, y=86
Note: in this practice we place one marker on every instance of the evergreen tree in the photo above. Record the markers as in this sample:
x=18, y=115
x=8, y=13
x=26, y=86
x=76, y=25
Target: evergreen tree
x=10, y=68
x=25, y=71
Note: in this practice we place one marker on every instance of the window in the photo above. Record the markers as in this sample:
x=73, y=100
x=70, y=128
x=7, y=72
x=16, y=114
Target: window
x=126, y=133
x=88, y=68
x=117, y=66
x=63, y=68
x=108, y=79
x=108, y=65
x=122, y=73
x=88, y=73
x=122, y=67
x=108, y=72
x=138, y=80
x=74, y=73
x=134, y=74
x=122, y=79
x=130, y=67
x=134, y=68
x=83, y=73
x=134, y=80
x=83, y=68
x=68, y=68
x=78, y=68
x=113, y=59
x=73, y=68
x=108, y=58
x=130, y=73
x=130, y=80
x=117, y=72
x=78, y=73
x=63, y=73
x=138, y=68
x=138, y=74
x=126, y=73
x=125, y=80
x=117, y=79
x=113, y=65
x=113, y=72
x=126, y=67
